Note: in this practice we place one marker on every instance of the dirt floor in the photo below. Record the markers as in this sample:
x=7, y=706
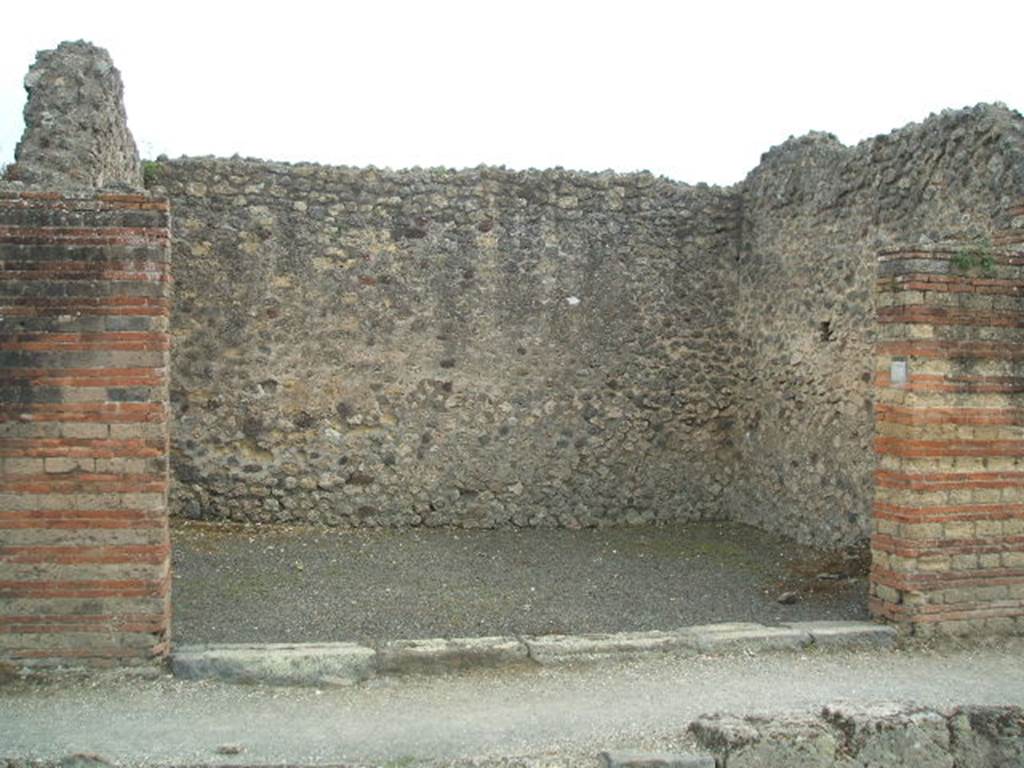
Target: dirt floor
x=292, y=584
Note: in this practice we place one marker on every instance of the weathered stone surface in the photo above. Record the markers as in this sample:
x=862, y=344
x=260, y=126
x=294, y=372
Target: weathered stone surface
x=892, y=735
x=815, y=214
x=740, y=636
x=560, y=649
x=889, y=735
x=76, y=134
x=489, y=348
x=767, y=743
x=277, y=663
x=847, y=633
x=987, y=736
x=622, y=759
x=479, y=348
x=439, y=655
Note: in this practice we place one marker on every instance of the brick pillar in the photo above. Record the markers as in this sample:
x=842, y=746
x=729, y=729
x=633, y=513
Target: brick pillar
x=84, y=548
x=948, y=545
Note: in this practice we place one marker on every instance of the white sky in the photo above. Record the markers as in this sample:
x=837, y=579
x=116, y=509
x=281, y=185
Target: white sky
x=694, y=91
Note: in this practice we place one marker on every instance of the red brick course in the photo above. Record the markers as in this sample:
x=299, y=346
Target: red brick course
x=105, y=412
x=965, y=384
x=948, y=547
x=922, y=415
x=84, y=545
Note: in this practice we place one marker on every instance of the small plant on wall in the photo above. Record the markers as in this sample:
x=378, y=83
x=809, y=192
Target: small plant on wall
x=150, y=173
x=975, y=256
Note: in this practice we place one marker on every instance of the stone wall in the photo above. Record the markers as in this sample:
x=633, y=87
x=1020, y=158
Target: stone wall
x=84, y=549
x=474, y=348
x=815, y=213
x=487, y=347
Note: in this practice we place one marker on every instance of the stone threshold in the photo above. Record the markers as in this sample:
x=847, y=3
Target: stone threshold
x=333, y=664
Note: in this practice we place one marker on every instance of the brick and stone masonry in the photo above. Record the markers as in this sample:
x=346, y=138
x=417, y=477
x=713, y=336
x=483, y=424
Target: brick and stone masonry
x=948, y=543
x=84, y=340
x=84, y=548
x=492, y=348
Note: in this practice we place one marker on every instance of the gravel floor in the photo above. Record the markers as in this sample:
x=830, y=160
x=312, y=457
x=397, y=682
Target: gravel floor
x=275, y=584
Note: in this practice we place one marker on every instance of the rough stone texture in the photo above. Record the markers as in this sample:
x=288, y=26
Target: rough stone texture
x=987, y=736
x=489, y=348
x=845, y=736
x=479, y=348
x=815, y=213
x=584, y=326
x=76, y=133
x=783, y=742
x=891, y=735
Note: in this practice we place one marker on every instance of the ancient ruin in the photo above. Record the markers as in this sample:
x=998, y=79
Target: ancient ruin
x=830, y=349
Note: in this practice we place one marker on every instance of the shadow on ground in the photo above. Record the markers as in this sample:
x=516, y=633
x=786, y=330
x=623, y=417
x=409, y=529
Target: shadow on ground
x=291, y=584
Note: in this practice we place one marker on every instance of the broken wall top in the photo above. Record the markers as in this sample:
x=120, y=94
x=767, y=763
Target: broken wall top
x=76, y=133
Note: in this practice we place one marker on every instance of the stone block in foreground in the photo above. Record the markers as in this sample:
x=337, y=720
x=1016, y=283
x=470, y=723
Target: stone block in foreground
x=885, y=734
x=625, y=759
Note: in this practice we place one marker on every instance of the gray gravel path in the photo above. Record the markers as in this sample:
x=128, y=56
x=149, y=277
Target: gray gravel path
x=556, y=713
x=235, y=584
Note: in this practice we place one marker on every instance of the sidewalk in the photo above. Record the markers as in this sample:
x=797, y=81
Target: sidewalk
x=559, y=715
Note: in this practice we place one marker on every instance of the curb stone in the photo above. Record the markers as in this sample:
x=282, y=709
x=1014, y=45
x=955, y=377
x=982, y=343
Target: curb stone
x=439, y=655
x=715, y=638
x=277, y=663
x=555, y=649
x=848, y=634
x=327, y=664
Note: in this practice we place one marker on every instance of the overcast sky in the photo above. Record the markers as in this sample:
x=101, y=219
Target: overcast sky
x=694, y=91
